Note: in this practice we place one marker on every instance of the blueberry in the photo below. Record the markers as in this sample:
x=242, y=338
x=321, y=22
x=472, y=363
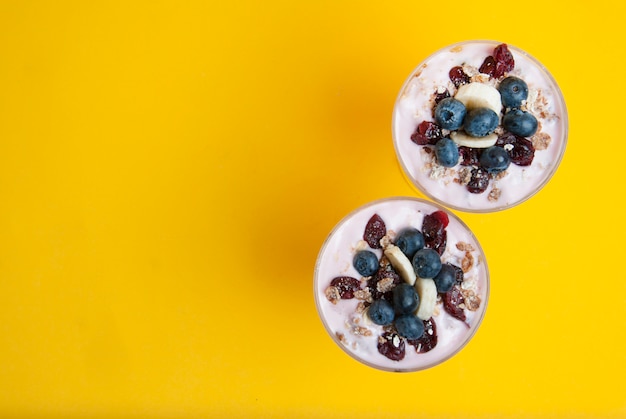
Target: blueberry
x=405, y=298
x=447, y=152
x=480, y=122
x=446, y=278
x=426, y=263
x=520, y=123
x=365, y=262
x=409, y=326
x=410, y=240
x=495, y=159
x=381, y=312
x=513, y=91
x=449, y=114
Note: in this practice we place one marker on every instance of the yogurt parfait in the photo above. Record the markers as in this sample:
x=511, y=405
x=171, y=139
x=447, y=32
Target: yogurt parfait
x=480, y=126
x=401, y=284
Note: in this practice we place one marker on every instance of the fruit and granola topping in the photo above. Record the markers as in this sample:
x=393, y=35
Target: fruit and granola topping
x=461, y=103
x=406, y=290
x=473, y=114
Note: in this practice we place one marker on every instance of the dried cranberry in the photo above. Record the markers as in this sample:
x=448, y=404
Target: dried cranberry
x=438, y=243
x=346, y=285
x=458, y=76
x=469, y=156
x=504, y=60
x=432, y=226
x=523, y=151
x=426, y=133
x=488, y=66
x=499, y=63
x=374, y=231
x=428, y=340
x=439, y=96
x=479, y=181
x=434, y=231
x=385, y=271
x=442, y=217
x=451, y=302
x=392, y=346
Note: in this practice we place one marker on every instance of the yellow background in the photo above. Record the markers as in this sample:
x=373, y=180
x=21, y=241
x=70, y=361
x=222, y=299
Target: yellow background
x=169, y=171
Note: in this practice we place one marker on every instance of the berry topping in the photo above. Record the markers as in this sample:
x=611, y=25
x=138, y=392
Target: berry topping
x=513, y=91
x=440, y=217
x=426, y=133
x=488, y=66
x=452, y=301
x=392, y=346
x=365, y=262
x=480, y=122
x=405, y=298
x=495, y=159
x=469, y=156
x=409, y=241
x=479, y=180
x=438, y=244
x=449, y=114
x=409, y=326
x=522, y=152
x=433, y=228
x=381, y=312
x=426, y=263
x=458, y=76
x=446, y=278
x=504, y=60
x=374, y=231
x=499, y=63
x=346, y=285
x=433, y=225
x=520, y=123
x=447, y=152
x=428, y=340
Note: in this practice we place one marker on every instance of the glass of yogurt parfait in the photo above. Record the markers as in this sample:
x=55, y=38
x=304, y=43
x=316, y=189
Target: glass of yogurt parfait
x=401, y=284
x=479, y=126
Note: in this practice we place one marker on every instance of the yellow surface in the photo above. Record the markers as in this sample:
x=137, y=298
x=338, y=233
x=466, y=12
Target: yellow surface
x=169, y=171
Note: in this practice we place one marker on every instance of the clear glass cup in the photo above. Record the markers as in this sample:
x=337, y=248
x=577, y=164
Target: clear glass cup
x=415, y=104
x=347, y=321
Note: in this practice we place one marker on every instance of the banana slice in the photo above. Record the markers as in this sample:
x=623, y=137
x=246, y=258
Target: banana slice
x=427, y=290
x=476, y=142
x=400, y=263
x=479, y=95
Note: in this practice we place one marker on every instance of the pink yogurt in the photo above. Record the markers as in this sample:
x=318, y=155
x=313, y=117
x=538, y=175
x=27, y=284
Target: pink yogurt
x=415, y=103
x=335, y=259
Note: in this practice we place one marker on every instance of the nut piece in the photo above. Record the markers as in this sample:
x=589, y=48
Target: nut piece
x=361, y=308
x=361, y=331
x=494, y=194
x=472, y=301
x=363, y=295
x=541, y=140
x=332, y=293
x=384, y=285
x=467, y=262
x=465, y=175
x=385, y=241
x=465, y=247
